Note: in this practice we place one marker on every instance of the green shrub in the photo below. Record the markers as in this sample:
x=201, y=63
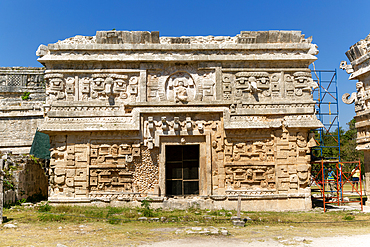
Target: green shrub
x=26, y=96
x=349, y=217
x=145, y=207
x=45, y=208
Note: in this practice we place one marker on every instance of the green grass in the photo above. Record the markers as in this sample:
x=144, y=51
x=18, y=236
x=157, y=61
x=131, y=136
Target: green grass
x=118, y=215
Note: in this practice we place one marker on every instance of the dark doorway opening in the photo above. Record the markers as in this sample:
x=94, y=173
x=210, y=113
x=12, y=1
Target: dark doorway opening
x=182, y=170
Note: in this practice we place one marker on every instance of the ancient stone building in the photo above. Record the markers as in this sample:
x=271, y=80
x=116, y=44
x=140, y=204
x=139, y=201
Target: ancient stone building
x=22, y=96
x=183, y=120
x=19, y=117
x=359, y=69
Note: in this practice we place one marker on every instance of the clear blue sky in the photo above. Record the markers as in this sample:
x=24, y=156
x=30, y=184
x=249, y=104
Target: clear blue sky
x=334, y=25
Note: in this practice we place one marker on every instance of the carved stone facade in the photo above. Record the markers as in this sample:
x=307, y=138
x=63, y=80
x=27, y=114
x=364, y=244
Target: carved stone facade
x=359, y=69
x=182, y=120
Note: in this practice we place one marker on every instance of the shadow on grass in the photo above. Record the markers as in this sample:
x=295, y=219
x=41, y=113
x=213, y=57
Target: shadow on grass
x=6, y=219
x=318, y=203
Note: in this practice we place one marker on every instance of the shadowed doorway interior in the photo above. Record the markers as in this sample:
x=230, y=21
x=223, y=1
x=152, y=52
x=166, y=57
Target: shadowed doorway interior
x=182, y=170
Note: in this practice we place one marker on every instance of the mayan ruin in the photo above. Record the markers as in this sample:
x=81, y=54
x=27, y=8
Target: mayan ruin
x=183, y=120
x=196, y=123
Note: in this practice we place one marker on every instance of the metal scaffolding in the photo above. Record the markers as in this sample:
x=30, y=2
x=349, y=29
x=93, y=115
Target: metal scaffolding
x=327, y=168
x=327, y=111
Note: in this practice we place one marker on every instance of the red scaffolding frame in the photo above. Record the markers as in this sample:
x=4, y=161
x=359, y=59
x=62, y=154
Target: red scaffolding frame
x=341, y=178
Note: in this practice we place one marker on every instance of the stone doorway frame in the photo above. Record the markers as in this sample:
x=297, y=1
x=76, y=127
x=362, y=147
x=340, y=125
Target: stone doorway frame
x=205, y=160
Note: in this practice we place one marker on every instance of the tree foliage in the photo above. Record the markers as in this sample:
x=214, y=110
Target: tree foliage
x=348, y=150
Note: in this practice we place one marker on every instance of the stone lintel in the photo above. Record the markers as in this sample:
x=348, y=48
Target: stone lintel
x=188, y=58
x=21, y=70
x=222, y=46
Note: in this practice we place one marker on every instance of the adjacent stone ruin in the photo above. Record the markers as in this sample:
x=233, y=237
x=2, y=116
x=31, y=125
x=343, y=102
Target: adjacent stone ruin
x=183, y=120
x=359, y=69
x=1, y=191
x=24, y=178
x=22, y=95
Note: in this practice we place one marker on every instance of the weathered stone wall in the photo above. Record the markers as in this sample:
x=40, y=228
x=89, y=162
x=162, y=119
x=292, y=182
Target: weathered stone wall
x=116, y=102
x=359, y=69
x=1, y=191
x=25, y=178
x=19, y=118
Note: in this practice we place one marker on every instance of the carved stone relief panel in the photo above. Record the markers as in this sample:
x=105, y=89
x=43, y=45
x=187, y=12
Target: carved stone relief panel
x=256, y=149
x=250, y=83
x=250, y=177
x=111, y=179
x=181, y=84
x=250, y=86
x=243, y=88
x=81, y=165
x=177, y=124
x=264, y=160
x=361, y=97
x=153, y=86
x=55, y=87
x=121, y=87
x=303, y=84
x=111, y=167
x=105, y=87
x=245, y=161
x=68, y=168
x=291, y=177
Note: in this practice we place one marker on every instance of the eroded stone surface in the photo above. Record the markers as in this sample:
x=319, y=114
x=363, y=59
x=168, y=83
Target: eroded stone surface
x=25, y=176
x=19, y=117
x=116, y=101
x=1, y=191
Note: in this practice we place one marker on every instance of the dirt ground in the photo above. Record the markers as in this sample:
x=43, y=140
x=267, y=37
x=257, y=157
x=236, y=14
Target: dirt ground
x=338, y=229
x=338, y=241
x=145, y=235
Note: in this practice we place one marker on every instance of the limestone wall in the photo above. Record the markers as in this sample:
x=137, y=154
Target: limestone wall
x=1, y=191
x=19, y=117
x=118, y=100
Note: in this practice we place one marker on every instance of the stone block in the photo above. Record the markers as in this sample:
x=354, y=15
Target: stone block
x=238, y=223
x=262, y=37
x=285, y=36
x=273, y=36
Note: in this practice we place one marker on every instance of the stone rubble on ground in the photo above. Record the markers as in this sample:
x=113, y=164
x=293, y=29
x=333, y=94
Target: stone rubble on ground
x=203, y=230
x=238, y=223
x=61, y=245
x=299, y=239
x=10, y=226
